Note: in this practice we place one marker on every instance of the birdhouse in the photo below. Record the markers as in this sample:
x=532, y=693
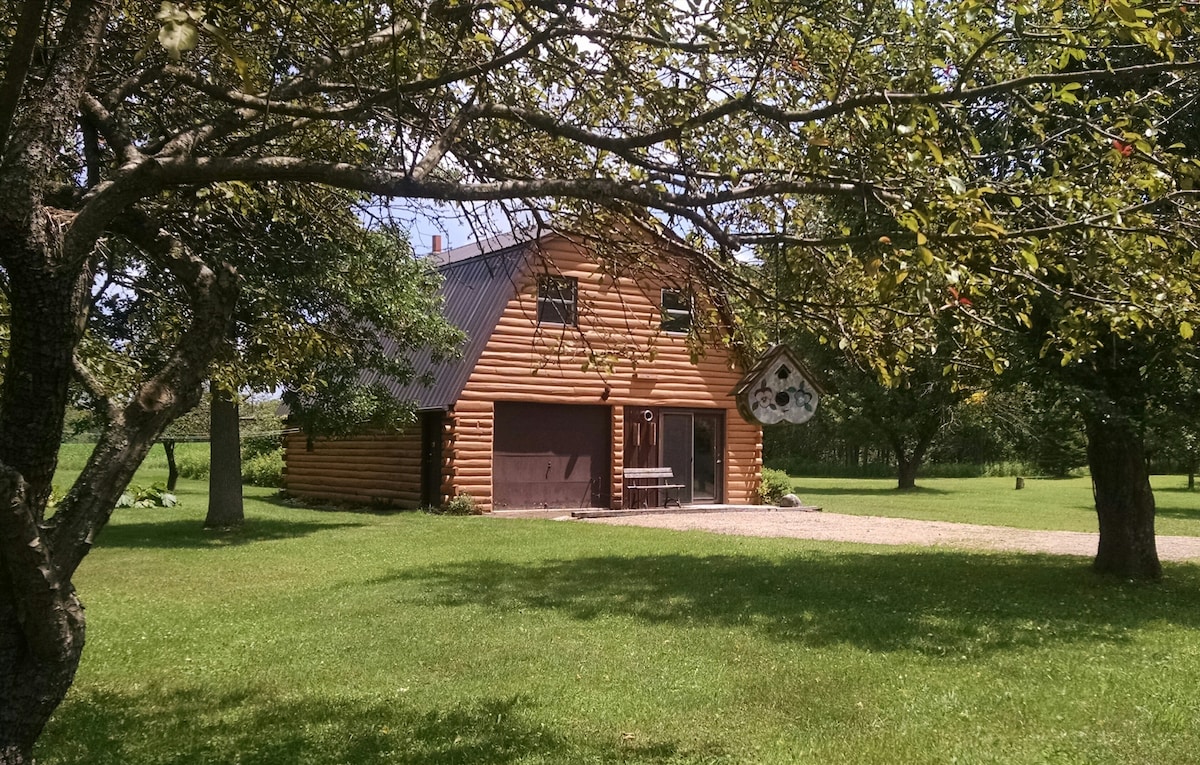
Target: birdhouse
x=778, y=388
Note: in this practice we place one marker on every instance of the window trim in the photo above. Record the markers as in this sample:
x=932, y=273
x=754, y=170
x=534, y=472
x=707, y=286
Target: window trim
x=670, y=316
x=557, y=298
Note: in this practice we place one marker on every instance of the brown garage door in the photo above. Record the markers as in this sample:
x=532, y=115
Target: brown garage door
x=551, y=455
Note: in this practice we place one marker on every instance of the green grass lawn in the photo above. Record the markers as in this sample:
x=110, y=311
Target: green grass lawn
x=1064, y=504
x=330, y=637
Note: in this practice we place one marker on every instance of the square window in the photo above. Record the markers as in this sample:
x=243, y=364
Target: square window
x=556, y=300
x=676, y=311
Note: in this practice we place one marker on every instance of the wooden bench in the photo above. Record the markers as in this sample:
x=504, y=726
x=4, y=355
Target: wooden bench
x=660, y=479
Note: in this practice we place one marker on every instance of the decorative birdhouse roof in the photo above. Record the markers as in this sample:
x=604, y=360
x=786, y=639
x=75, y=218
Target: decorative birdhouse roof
x=778, y=388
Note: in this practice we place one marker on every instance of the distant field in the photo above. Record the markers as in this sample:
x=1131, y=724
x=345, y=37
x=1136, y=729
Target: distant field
x=1059, y=504
x=72, y=458
x=1063, y=504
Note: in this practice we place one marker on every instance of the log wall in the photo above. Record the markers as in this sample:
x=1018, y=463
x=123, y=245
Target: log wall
x=617, y=356
x=362, y=470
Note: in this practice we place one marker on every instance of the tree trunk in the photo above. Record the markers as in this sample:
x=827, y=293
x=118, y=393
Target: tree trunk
x=31, y=685
x=41, y=620
x=225, y=463
x=908, y=463
x=172, y=467
x=1124, y=499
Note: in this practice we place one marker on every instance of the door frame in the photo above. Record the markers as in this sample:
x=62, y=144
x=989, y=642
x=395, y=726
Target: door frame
x=717, y=418
x=432, y=422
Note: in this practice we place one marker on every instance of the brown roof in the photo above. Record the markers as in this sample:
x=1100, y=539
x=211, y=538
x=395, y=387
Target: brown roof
x=477, y=285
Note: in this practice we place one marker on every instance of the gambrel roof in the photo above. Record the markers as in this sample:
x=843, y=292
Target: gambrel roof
x=479, y=281
x=476, y=288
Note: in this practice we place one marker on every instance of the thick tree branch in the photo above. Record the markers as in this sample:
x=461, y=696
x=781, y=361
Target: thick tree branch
x=96, y=389
x=107, y=124
x=16, y=66
x=173, y=390
x=556, y=126
x=905, y=238
x=48, y=117
x=177, y=171
x=40, y=592
x=889, y=98
x=103, y=203
x=380, y=39
x=437, y=151
x=130, y=85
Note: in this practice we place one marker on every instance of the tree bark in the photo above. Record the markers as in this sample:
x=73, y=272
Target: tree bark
x=31, y=686
x=1124, y=499
x=41, y=625
x=909, y=462
x=172, y=467
x=41, y=619
x=225, y=507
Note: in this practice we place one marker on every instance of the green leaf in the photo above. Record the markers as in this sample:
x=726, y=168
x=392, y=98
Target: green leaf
x=934, y=151
x=1185, y=330
x=1123, y=11
x=178, y=37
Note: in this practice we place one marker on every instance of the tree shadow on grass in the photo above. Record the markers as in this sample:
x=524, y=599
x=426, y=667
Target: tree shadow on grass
x=1180, y=513
x=1184, y=490
x=189, y=533
x=931, y=602
x=260, y=727
x=865, y=491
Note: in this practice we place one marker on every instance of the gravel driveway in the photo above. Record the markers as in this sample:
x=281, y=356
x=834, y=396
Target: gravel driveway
x=891, y=531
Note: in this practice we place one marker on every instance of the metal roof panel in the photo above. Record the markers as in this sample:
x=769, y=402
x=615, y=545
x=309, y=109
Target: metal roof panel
x=476, y=290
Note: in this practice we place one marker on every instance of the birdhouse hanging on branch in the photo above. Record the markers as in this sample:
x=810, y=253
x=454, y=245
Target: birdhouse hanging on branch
x=777, y=389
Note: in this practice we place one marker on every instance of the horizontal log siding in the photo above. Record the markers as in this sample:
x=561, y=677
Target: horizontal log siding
x=469, y=450
x=359, y=470
x=743, y=460
x=617, y=480
x=524, y=362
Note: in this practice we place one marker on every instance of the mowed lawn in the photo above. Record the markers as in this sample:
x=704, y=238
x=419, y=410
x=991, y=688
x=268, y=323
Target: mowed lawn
x=332, y=637
x=1062, y=504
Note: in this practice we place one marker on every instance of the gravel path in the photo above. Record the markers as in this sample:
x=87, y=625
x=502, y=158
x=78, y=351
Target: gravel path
x=891, y=531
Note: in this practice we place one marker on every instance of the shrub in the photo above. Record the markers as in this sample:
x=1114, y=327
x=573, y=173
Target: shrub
x=775, y=483
x=193, y=466
x=257, y=444
x=155, y=495
x=463, y=504
x=1010, y=468
x=265, y=469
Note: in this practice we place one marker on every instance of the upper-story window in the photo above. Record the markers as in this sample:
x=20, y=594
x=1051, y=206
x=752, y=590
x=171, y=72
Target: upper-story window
x=676, y=311
x=557, y=297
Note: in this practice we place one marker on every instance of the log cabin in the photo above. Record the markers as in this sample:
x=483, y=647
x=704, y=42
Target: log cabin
x=577, y=367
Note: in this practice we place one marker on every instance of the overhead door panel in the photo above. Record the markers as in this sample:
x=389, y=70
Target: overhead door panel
x=551, y=455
